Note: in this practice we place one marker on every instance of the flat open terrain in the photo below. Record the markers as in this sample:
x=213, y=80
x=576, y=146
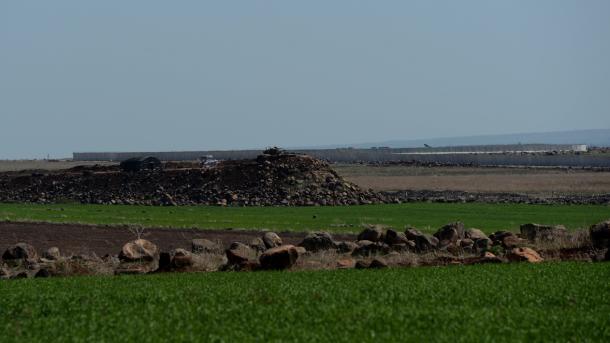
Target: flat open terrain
x=516, y=302
x=425, y=216
x=17, y=165
x=534, y=181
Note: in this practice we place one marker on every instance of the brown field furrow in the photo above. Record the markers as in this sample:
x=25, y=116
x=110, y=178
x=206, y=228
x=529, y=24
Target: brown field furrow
x=583, y=183
x=74, y=239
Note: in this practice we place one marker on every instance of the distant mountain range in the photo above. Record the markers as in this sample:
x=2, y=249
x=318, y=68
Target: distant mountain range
x=594, y=137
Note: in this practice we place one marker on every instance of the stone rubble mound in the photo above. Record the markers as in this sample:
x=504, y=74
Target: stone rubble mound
x=272, y=179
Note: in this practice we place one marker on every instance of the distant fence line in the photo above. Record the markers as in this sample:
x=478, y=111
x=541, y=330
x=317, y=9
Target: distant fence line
x=375, y=155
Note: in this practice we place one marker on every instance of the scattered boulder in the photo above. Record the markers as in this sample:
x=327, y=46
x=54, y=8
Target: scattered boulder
x=537, y=232
x=423, y=241
x=482, y=244
x=368, y=248
x=450, y=233
x=475, y=234
x=258, y=244
x=52, y=253
x=393, y=237
x=279, y=258
x=201, y=245
x=466, y=242
x=138, y=257
x=512, y=241
x=498, y=236
x=600, y=234
x=302, y=251
x=271, y=240
x=346, y=246
x=426, y=242
x=506, y=239
x=524, y=255
x=20, y=251
x=181, y=259
x=239, y=253
x=411, y=233
x=318, y=241
x=378, y=263
x=372, y=233
x=403, y=247
x=139, y=250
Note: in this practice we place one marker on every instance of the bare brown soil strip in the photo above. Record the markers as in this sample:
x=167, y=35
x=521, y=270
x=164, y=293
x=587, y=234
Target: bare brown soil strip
x=536, y=183
x=17, y=165
x=75, y=239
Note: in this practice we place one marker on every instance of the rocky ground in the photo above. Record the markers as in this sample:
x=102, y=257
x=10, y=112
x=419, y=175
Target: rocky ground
x=495, y=197
x=272, y=179
x=374, y=247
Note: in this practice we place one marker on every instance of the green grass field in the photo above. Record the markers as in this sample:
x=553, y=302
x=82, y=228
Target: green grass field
x=516, y=302
x=426, y=216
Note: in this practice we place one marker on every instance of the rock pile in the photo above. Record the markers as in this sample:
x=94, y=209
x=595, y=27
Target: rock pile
x=272, y=179
x=375, y=247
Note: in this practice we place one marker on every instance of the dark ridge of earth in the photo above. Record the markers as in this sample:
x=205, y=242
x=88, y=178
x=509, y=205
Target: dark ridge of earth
x=82, y=239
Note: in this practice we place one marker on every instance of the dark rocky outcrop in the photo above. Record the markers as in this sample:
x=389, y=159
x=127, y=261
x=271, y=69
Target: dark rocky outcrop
x=239, y=253
x=372, y=233
x=20, y=251
x=600, y=234
x=278, y=258
x=318, y=241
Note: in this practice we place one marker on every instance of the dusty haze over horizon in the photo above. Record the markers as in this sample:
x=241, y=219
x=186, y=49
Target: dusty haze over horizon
x=198, y=75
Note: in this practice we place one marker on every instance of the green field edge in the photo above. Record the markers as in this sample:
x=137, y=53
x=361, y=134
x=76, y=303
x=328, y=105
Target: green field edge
x=340, y=219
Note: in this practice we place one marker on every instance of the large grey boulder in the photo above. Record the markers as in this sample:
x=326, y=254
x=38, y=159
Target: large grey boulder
x=278, y=258
x=372, y=233
x=239, y=253
x=318, y=241
x=139, y=250
x=423, y=241
x=272, y=240
x=450, y=233
x=138, y=257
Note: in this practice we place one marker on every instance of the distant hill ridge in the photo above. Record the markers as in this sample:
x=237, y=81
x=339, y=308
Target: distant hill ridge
x=593, y=137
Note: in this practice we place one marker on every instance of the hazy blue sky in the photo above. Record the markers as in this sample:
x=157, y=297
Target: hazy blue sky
x=166, y=75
